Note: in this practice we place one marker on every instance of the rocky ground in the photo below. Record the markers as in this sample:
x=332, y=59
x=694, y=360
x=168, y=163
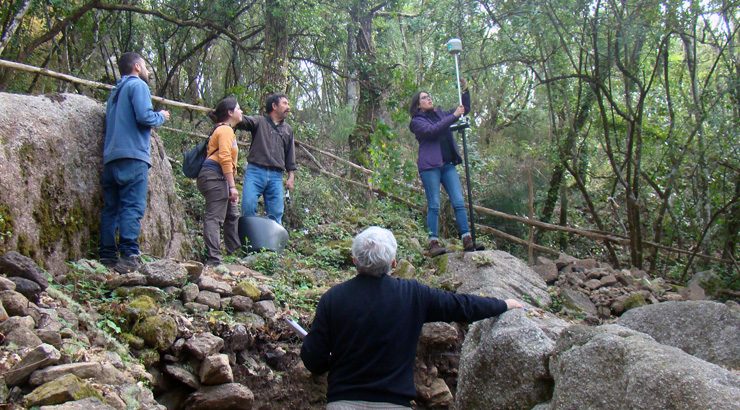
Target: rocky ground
x=177, y=336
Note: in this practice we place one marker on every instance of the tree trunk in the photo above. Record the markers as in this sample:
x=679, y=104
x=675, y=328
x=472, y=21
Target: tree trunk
x=368, y=109
x=732, y=227
x=352, y=97
x=275, y=58
x=563, y=221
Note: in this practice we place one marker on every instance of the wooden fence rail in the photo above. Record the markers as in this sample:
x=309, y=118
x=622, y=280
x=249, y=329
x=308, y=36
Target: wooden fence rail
x=591, y=234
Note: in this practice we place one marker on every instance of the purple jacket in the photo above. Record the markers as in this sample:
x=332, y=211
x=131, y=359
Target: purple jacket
x=430, y=129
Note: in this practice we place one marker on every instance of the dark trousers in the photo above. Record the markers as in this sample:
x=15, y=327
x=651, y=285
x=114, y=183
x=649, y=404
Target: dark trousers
x=219, y=210
x=124, y=183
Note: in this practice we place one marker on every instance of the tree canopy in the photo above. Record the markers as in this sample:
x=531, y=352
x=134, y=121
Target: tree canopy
x=624, y=113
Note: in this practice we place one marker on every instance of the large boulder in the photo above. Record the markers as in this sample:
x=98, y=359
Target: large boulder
x=498, y=274
x=705, y=329
x=613, y=367
x=503, y=363
x=50, y=197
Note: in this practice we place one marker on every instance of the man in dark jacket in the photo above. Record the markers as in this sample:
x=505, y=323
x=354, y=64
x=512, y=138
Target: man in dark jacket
x=271, y=154
x=129, y=119
x=366, y=329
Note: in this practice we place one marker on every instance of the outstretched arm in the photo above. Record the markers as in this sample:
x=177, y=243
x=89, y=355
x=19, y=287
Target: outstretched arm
x=455, y=307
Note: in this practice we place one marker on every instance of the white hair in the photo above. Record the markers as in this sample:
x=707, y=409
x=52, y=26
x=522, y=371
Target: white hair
x=374, y=250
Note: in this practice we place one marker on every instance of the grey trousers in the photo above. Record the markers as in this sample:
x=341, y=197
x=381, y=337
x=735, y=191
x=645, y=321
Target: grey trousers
x=362, y=405
x=219, y=210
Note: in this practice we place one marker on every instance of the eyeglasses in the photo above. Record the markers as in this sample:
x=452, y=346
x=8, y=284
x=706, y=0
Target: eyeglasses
x=426, y=97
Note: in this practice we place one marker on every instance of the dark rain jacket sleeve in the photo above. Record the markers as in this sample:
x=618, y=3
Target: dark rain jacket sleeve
x=315, y=351
x=248, y=123
x=445, y=306
x=290, y=154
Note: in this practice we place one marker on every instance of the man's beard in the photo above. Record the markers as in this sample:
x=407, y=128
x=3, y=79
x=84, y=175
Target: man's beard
x=144, y=78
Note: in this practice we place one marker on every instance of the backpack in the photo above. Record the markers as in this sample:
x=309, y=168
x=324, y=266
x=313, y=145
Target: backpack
x=192, y=161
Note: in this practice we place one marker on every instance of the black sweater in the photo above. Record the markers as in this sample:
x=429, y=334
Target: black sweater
x=366, y=330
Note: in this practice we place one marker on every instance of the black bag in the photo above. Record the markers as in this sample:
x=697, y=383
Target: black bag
x=192, y=161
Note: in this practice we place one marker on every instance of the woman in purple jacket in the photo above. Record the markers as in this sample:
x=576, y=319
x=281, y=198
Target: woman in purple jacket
x=438, y=156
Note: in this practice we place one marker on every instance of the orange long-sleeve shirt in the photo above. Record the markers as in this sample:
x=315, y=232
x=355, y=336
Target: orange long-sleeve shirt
x=224, y=149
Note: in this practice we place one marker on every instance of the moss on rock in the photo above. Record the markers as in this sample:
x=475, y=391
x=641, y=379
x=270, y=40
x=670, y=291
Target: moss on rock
x=148, y=357
x=633, y=301
x=58, y=223
x=26, y=246
x=141, y=307
x=440, y=264
x=158, y=331
x=6, y=226
x=135, y=291
x=135, y=342
x=405, y=270
x=63, y=389
x=247, y=288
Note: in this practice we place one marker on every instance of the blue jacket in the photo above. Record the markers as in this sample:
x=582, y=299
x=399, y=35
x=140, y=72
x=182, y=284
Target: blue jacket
x=430, y=129
x=129, y=121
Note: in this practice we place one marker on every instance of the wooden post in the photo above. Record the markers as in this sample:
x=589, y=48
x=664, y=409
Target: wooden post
x=530, y=183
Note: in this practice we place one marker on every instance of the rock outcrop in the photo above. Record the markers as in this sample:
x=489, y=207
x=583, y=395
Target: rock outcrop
x=613, y=367
x=50, y=197
x=705, y=329
x=498, y=274
x=504, y=361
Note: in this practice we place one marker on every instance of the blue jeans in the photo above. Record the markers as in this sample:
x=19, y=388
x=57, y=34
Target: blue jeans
x=124, y=183
x=448, y=177
x=259, y=180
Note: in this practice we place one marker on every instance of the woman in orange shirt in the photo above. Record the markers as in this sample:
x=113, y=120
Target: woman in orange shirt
x=216, y=181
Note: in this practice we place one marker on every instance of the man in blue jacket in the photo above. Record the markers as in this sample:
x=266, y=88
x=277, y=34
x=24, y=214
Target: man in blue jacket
x=129, y=119
x=366, y=329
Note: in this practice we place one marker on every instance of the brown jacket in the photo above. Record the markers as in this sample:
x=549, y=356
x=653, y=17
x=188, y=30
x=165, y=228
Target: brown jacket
x=272, y=144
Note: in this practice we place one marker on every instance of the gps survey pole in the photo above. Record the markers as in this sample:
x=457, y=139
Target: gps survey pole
x=454, y=46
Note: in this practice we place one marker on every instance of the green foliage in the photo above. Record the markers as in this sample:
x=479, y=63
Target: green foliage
x=389, y=163
x=556, y=301
x=266, y=262
x=532, y=68
x=109, y=326
x=6, y=225
x=83, y=281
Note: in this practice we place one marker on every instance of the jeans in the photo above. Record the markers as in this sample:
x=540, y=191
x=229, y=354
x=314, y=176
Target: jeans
x=124, y=183
x=219, y=210
x=363, y=405
x=448, y=177
x=259, y=180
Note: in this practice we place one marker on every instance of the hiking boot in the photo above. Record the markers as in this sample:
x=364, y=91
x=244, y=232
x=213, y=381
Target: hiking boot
x=128, y=264
x=435, y=249
x=109, y=263
x=469, y=246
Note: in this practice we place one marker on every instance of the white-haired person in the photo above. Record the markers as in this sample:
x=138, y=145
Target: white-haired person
x=366, y=329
